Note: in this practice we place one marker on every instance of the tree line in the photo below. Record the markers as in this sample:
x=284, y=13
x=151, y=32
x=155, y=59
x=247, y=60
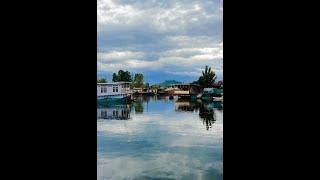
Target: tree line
x=137, y=80
x=207, y=79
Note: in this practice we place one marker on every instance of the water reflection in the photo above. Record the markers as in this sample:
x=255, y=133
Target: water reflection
x=186, y=105
x=138, y=107
x=206, y=110
x=207, y=115
x=159, y=140
x=114, y=112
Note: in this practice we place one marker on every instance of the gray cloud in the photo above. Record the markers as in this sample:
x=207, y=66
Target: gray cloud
x=166, y=36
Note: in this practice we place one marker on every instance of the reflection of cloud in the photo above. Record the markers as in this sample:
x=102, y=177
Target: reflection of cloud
x=188, y=125
x=159, y=165
x=167, y=140
x=134, y=126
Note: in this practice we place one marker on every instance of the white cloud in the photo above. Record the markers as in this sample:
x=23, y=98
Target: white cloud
x=129, y=60
x=119, y=56
x=174, y=37
x=177, y=17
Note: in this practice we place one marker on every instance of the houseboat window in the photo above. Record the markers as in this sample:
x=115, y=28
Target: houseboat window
x=102, y=90
x=116, y=89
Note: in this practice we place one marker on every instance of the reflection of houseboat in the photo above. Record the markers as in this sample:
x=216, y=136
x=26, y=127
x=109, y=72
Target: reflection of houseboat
x=121, y=112
x=206, y=110
x=185, y=105
x=111, y=92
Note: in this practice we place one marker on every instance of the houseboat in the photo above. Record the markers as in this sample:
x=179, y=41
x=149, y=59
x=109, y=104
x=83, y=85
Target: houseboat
x=212, y=93
x=161, y=91
x=113, y=92
x=188, y=91
x=143, y=91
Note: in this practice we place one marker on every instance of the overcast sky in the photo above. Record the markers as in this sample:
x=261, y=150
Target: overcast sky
x=163, y=39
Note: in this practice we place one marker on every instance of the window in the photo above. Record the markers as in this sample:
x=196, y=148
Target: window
x=103, y=113
x=103, y=89
x=115, y=88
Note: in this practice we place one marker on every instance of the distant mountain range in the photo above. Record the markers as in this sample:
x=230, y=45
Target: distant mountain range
x=168, y=83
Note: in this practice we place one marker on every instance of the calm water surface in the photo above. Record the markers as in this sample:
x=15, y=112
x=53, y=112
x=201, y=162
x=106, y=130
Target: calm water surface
x=158, y=138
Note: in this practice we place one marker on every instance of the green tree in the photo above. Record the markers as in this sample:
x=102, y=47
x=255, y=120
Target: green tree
x=207, y=79
x=126, y=76
x=115, y=77
x=102, y=80
x=121, y=76
x=138, y=80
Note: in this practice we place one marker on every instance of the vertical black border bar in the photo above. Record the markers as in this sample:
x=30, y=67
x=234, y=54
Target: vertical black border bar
x=51, y=72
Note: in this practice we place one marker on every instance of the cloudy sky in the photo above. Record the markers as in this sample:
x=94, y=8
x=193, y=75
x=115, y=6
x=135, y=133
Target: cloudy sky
x=163, y=39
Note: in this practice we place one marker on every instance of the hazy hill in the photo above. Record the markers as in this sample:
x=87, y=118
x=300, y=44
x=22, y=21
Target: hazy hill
x=168, y=83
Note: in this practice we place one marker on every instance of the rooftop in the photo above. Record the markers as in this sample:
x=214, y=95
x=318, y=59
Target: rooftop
x=114, y=83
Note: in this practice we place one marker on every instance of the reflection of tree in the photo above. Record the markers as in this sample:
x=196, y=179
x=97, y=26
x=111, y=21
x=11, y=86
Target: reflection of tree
x=206, y=110
x=217, y=105
x=207, y=116
x=138, y=106
x=145, y=98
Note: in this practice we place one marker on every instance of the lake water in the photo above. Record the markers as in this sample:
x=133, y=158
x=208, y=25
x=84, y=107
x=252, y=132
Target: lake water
x=158, y=138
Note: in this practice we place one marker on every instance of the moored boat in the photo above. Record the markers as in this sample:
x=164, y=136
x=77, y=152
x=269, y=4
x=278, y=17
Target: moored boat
x=113, y=92
x=212, y=94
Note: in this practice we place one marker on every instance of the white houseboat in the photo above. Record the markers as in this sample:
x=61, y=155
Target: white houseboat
x=116, y=91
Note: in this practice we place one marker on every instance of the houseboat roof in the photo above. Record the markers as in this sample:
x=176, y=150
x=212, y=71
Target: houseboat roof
x=113, y=83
